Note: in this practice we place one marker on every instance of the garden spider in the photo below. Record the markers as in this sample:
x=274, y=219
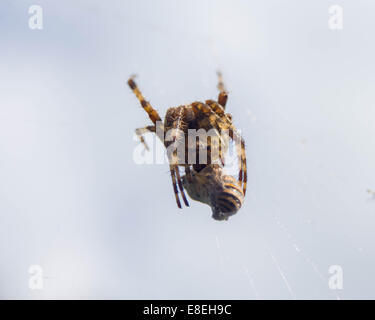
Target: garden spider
x=225, y=195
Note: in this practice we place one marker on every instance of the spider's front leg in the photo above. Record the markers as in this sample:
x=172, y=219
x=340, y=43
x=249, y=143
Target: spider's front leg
x=223, y=95
x=141, y=131
x=152, y=113
x=140, y=134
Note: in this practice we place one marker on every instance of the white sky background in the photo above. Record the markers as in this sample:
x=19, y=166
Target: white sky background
x=73, y=201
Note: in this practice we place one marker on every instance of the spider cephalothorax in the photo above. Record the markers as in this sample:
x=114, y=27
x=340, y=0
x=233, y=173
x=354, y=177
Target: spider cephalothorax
x=224, y=194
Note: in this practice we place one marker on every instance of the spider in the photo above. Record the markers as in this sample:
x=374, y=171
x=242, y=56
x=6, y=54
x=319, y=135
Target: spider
x=204, y=182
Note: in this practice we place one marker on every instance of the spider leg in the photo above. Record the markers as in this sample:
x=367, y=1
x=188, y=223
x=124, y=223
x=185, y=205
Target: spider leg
x=226, y=123
x=178, y=125
x=219, y=110
x=243, y=156
x=152, y=113
x=214, y=111
x=141, y=131
x=240, y=146
x=173, y=176
x=155, y=118
x=179, y=182
x=223, y=94
x=216, y=107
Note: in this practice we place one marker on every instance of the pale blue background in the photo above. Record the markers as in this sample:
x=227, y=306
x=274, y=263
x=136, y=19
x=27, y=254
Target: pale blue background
x=73, y=201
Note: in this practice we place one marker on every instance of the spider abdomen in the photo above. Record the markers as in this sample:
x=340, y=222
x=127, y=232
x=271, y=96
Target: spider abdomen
x=228, y=200
x=220, y=191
